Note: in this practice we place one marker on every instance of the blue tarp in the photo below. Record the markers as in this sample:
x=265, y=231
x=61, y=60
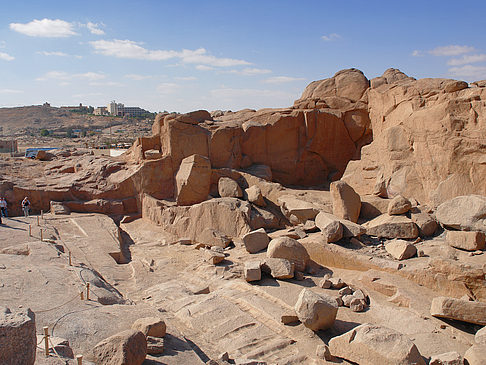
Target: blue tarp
x=32, y=152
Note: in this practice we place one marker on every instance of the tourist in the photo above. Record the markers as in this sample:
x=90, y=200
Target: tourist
x=26, y=206
x=3, y=207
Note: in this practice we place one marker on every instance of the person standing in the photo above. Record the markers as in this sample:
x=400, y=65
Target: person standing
x=3, y=207
x=26, y=206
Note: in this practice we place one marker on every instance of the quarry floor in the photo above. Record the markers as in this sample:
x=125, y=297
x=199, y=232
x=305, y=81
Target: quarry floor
x=209, y=309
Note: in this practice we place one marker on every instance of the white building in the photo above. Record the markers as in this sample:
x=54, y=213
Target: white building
x=121, y=110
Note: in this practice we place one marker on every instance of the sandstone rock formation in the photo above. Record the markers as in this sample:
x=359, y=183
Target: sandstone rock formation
x=462, y=310
x=289, y=249
x=470, y=241
x=346, y=204
x=330, y=226
x=463, y=212
x=400, y=249
x=370, y=344
x=256, y=240
x=193, y=180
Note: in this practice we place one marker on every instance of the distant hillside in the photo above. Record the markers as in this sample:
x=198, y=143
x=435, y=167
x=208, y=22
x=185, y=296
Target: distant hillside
x=27, y=119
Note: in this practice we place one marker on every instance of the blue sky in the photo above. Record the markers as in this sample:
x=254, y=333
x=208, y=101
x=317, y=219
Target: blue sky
x=224, y=54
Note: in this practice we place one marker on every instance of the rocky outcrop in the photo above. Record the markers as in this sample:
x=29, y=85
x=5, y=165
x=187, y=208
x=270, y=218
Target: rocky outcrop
x=466, y=213
x=428, y=140
x=469, y=241
x=400, y=249
x=289, y=249
x=391, y=226
x=346, y=204
x=370, y=344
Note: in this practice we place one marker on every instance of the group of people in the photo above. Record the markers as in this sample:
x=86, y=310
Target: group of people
x=3, y=208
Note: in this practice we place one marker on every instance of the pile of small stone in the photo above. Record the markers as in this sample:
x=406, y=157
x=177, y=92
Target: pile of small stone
x=355, y=299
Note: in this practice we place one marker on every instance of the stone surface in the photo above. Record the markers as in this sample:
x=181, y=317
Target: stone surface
x=212, y=237
x=256, y=241
x=475, y=355
x=17, y=336
x=469, y=241
x=323, y=352
x=125, y=348
x=59, y=208
x=372, y=206
x=150, y=326
x=317, y=312
x=252, y=270
x=297, y=210
x=370, y=344
x=426, y=223
x=214, y=257
x=391, y=226
x=193, y=180
x=330, y=226
x=228, y=188
x=480, y=336
x=337, y=283
x=346, y=203
x=461, y=310
x=278, y=268
x=400, y=249
x=290, y=249
x=399, y=205
x=466, y=213
x=448, y=358
x=255, y=196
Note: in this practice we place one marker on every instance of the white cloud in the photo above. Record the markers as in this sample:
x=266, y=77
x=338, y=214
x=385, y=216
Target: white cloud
x=45, y=28
x=417, y=53
x=186, y=78
x=247, y=71
x=133, y=50
x=167, y=88
x=469, y=72
x=64, y=76
x=452, y=50
x=6, y=57
x=137, y=77
x=55, y=53
x=467, y=59
x=94, y=28
x=282, y=79
x=10, y=91
x=331, y=37
x=204, y=68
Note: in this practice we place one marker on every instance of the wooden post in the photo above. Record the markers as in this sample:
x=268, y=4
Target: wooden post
x=38, y=221
x=41, y=234
x=80, y=359
x=46, y=340
x=81, y=295
x=87, y=291
x=30, y=230
x=42, y=214
x=70, y=264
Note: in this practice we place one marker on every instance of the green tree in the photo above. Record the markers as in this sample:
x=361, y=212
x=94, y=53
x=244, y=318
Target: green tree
x=44, y=132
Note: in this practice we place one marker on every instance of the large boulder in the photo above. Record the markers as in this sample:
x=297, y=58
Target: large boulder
x=193, y=180
x=399, y=205
x=448, y=358
x=370, y=344
x=467, y=213
x=278, y=268
x=317, y=312
x=290, y=249
x=297, y=210
x=252, y=270
x=254, y=194
x=255, y=241
x=400, y=249
x=330, y=226
x=18, y=341
x=228, y=188
x=212, y=237
x=480, y=336
x=346, y=203
x=391, y=226
x=469, y=241
x=150, y=326
x=459, y=309
x=125, y=348
x=426, y=223
x=475, y=355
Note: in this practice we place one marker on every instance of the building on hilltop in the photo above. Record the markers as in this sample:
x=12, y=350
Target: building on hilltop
x=121, y=110
x=101, y=110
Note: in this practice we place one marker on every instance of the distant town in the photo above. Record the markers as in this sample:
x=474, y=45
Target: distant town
x=113, y=109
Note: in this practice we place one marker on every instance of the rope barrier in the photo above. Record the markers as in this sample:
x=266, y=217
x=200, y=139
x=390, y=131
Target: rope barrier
x=59, y=306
